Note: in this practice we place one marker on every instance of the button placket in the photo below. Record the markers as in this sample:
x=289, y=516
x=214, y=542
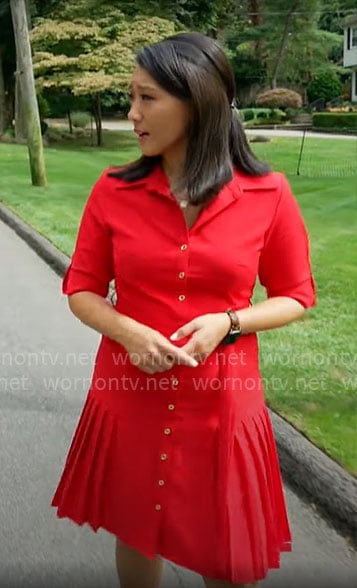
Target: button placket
x=182, y=273
x=167, y=433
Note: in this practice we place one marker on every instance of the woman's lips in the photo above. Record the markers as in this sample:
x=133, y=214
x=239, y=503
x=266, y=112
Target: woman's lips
x=142, y=135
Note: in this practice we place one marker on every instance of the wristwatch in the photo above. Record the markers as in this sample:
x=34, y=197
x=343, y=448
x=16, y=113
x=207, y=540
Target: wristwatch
x=235, y=331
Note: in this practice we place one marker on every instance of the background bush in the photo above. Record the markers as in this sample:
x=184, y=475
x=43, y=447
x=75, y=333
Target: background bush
x=80, y=119
x=279, y=98
x=325, y=85
x=335, y=120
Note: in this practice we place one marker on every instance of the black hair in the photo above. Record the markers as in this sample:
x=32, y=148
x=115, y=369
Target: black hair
x=194, y=68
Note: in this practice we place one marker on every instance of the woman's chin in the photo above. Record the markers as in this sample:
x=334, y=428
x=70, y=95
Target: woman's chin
x=149, y=151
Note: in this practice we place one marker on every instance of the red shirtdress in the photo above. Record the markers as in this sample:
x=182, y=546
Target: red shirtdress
x=183, y=463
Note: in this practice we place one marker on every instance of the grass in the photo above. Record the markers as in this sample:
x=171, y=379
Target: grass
x=309, y=367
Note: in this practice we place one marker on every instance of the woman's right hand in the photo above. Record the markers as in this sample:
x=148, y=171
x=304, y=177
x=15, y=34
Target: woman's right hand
x=148, y=349
x=151, y=352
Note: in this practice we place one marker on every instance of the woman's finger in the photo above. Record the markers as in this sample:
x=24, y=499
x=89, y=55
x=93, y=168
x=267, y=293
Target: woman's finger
x=184, y=331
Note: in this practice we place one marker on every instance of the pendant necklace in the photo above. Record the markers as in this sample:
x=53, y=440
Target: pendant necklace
x=183, y=203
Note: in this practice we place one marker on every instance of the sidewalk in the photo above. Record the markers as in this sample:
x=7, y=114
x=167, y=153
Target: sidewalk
x=37, y=422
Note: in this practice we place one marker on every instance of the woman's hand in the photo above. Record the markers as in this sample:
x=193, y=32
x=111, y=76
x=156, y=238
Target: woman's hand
x=207, y=333
x=151, y=352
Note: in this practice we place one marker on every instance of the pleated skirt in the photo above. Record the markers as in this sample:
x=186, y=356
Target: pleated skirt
x=185, y=477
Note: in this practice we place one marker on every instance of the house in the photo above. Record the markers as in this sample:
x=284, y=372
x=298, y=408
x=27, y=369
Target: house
x=350, y=51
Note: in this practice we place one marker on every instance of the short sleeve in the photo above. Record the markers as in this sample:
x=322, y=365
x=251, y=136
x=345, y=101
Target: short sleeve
x=91, y=267
x=284, y=265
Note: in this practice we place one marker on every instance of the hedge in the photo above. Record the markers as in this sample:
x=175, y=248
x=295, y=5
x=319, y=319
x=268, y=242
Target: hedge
x=335, y=120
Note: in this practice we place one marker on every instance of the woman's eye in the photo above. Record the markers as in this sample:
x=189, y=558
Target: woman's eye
x=146, y=97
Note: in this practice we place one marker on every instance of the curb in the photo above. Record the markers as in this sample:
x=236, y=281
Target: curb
x=308, y=470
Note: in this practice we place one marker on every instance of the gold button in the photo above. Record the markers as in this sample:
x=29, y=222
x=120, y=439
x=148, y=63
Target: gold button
x=181, y=275
x=163, y=456
x=175, y=382
x=181, y=297
x=171, y=407
x=161, y=482
x=157, y=506
x=183, y=247
x=167, y=431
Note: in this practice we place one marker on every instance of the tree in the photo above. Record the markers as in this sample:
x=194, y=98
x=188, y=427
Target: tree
x=280, y=43
x=27, y=92
x=83, y=57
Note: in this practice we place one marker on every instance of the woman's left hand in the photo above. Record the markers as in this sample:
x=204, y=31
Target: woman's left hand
x=207, y=332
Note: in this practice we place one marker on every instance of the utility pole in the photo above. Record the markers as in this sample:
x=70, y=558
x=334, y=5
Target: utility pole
x=26, y=80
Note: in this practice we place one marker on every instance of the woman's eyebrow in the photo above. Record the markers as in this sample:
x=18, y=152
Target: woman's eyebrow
x=143, y=87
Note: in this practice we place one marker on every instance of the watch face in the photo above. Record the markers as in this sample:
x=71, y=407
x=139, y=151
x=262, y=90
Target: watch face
x=231, y=337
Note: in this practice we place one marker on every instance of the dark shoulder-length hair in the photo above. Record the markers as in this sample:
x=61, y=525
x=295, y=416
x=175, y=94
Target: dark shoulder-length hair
x=194, y=68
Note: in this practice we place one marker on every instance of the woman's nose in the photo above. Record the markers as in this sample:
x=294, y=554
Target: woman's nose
x=134, y=113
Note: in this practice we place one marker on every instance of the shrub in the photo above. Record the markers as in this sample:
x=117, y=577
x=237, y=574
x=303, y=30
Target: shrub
x=263, y=113
x=247, y=114
x=80, y=119
x=335, y=120
x=279, y=98
x=325, y=85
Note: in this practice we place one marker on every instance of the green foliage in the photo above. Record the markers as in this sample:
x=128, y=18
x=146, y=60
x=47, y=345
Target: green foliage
x=43, y=106
x=326, y=85
x=247, y=114
x=80, y=119
x=248, y=69
x=335, y=120
x=89, y=57
x=62, y=102
x=258, y=114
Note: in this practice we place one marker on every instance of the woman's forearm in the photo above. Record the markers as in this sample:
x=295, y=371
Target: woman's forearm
x=269, y=314
x=97, y=313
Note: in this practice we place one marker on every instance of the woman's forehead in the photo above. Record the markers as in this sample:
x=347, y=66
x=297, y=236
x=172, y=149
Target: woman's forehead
x=142, y=80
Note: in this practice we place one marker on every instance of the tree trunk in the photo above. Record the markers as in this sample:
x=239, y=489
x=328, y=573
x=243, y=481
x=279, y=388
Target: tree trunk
x=28, y=92
x=2, y=98
x=70, y=125
x=28, y=14
x=256, y=18
x=97, y=113
x=283, y=44
x=20, y=123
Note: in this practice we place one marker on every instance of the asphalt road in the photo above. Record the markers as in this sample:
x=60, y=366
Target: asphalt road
x=45, y=363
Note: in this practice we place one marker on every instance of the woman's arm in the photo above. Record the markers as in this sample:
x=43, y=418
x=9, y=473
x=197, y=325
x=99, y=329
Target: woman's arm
x=207, y=331
x=148, y=349
x=96, y=312
x=270, y=314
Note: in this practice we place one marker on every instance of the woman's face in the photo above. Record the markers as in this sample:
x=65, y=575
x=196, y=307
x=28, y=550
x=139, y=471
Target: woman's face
x=160, y=120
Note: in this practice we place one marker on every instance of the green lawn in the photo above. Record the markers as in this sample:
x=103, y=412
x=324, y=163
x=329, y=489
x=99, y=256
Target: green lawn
x=309, y=367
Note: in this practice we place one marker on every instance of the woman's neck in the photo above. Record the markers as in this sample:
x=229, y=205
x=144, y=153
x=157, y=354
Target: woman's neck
x=173, y=171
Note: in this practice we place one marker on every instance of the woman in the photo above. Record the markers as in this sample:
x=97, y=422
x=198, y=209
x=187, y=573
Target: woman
x=174, y=452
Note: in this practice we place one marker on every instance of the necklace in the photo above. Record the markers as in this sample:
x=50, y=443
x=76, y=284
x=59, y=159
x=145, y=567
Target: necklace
x=181, y=200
